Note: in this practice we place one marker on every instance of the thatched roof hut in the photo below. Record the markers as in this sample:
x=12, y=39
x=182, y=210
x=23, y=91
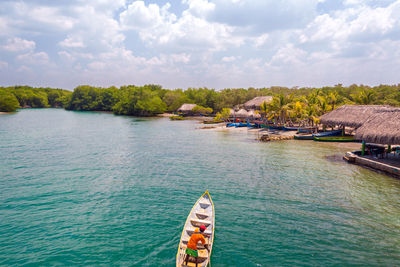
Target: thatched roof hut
x=351, y=115
x=256, y=102
x=382, y=128
x=242, y=113
x=186, y=108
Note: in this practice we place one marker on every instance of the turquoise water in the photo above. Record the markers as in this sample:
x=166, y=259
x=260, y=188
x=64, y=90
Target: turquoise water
x=97, y=189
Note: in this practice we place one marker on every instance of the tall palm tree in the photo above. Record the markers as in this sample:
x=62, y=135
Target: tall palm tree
x=365, y=97
x=279, y=105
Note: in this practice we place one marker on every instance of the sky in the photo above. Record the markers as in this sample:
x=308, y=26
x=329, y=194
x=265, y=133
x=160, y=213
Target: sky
x=199, y=43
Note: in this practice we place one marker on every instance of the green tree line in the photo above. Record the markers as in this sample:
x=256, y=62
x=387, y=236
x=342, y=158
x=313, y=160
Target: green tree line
x=288, y=103
x=12, y=98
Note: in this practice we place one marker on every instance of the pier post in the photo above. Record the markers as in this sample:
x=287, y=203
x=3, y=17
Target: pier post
x=363, y=148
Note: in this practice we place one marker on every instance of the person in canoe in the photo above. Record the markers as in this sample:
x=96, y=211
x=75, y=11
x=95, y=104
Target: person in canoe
x=191, y=250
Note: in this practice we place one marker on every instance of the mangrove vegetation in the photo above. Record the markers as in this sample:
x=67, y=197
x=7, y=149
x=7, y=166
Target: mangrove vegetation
x=288, y=103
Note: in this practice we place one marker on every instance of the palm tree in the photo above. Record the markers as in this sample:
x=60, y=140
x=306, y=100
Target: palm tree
x=365, y=97
x=264, y=109
x=332, y=99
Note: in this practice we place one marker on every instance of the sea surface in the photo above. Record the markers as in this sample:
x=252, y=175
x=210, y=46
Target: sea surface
x=95, y=189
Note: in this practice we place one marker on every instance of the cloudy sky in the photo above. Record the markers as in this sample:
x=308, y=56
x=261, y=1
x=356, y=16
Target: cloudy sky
x=195, y=43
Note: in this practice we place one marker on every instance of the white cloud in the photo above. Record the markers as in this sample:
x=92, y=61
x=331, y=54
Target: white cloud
x=199, y=8
x=157, y=26
x=289, y=54
x=140, y=16
x=229, y=59
x=72, y=42
x=39, y=58
x=97, y=65
x=260, y=40
x=17, y=44
x=194, y=42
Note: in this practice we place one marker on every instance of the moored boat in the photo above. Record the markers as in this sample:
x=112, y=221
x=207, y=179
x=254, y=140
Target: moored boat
x=212, y=122
x=335, y=139
x=303, y=136
x=329, y=133
x=202, y=213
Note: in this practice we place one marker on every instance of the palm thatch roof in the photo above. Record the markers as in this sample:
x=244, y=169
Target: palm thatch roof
x=382, y=128
x=256, y=102
x=351, y=115
x=186, y=107
x=242, y=113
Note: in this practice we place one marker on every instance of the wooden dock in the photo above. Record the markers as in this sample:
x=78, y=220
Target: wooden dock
x=388, y=165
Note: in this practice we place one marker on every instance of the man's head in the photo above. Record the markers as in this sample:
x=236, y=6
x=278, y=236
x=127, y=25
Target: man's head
x=202, y=228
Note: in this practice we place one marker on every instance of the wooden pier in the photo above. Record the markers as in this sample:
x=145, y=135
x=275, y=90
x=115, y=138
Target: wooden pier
x=388, y=165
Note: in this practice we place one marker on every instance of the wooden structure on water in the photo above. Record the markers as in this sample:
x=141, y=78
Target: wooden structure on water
x=380, y=136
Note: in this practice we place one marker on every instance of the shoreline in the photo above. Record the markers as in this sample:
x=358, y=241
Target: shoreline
x=284, y=135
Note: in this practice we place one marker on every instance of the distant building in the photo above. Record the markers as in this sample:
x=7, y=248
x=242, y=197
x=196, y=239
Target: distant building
x=256, y=102
x=186, y=108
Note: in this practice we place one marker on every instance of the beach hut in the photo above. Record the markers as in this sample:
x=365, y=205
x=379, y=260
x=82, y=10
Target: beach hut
x=379, y=135
x=381, y=128
x=242, y=113
x=186, y=108
x=256, y=102
x=351, y=115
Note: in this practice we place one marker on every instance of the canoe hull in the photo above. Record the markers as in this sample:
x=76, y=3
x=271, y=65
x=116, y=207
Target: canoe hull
x=335, y=139
x=303, y=137
x=202, y=213
x=330, y=133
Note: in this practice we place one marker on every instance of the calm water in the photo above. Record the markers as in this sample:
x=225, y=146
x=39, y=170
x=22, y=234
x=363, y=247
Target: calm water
x=97, y=189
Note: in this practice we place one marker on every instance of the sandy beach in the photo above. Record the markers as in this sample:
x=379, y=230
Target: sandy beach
x=275, y=133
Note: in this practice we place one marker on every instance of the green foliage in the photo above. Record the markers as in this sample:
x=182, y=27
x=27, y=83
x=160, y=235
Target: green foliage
x=8, y=101
x=176, y=118
x=174, y=99
x=38, y=97
x=223, y=114
x=289, y=104
x=202, y=110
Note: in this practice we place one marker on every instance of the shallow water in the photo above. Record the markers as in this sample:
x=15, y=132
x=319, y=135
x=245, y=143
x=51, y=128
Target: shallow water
x=86, y=188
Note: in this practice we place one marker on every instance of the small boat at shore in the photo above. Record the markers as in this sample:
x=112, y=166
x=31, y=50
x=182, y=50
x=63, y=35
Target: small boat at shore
x=303, y=136
x=299, y=129
x=212, y=122
x=329, y=133
x=335, y=139
x=202, y=213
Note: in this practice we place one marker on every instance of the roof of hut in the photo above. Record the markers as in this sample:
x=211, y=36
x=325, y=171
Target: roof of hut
x=351, y=115
x=242, y=113
x=382, y=128
x=187, y=107
x=257, y=101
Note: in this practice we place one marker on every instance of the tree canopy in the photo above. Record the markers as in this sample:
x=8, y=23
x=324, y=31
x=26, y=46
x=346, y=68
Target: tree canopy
x=27, y=96
x=288, y=103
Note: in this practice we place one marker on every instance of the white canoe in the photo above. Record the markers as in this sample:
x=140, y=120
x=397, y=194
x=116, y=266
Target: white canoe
x=201, y=213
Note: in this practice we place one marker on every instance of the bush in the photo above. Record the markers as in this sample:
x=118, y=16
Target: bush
x=8, y=101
